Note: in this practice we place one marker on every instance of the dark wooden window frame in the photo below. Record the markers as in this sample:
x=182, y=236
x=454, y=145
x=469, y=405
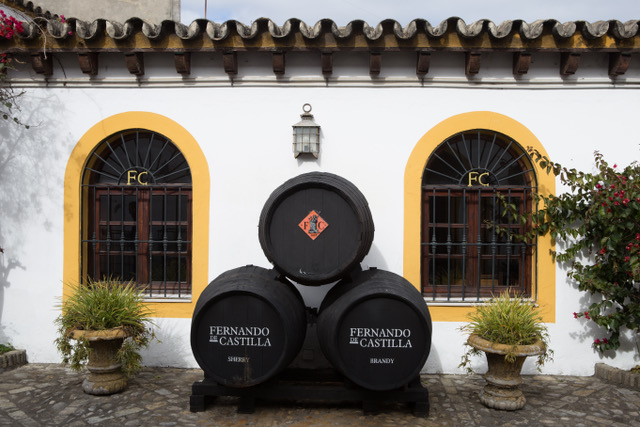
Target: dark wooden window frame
x=453, y=249
x=149, y=239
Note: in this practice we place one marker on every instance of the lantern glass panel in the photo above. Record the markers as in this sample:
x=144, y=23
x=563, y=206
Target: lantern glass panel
x=306, y=134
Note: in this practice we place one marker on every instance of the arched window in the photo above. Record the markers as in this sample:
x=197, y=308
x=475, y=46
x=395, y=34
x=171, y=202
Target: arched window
x=467, y=247
x=137, y=213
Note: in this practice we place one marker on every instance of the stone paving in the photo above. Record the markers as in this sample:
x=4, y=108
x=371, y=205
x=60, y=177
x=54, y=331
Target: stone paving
x=50, y=395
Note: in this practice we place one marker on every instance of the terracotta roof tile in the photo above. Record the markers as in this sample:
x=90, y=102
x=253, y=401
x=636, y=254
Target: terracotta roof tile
x=28, y=7
x=294, y=34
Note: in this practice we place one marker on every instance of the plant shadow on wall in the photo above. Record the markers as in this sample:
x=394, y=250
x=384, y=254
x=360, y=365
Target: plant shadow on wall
x=597, y=226
x=32, y=144
x=169, y=347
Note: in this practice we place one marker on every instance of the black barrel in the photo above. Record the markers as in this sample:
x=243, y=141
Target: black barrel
x=315, y=228
x=375, y=329
x=248, y=325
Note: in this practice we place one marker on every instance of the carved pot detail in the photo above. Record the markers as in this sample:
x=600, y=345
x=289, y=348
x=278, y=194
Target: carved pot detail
x=503, y=377
x=105, y=376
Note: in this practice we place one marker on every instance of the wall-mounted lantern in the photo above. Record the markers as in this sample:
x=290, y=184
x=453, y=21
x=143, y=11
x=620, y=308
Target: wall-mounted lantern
x=306, y=134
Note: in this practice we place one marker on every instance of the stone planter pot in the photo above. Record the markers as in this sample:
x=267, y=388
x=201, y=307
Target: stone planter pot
x=503, y=377
x=105, y=376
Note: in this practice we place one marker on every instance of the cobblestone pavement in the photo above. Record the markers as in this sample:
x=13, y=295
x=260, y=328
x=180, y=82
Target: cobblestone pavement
x=47, y=394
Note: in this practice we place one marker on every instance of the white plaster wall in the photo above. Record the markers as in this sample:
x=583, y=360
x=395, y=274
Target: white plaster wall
x=368, y=132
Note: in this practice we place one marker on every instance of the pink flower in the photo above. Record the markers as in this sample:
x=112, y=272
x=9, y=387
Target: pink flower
x=586, y=314
x=603, y=250
x=605, y=341
x=626, y=259
x=575, y=315
x=596, y=341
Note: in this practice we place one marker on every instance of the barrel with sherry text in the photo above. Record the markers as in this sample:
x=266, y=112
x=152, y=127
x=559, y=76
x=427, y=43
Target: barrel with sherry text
x=315, y=228
x=247, y=326
x=375, y=328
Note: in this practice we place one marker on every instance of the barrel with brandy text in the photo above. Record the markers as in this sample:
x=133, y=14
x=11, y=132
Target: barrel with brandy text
x=315, y=228
x=375, y=329
x=247, y=326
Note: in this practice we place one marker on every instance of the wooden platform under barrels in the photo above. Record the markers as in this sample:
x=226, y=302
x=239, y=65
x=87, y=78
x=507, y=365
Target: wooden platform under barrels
x=306, y=385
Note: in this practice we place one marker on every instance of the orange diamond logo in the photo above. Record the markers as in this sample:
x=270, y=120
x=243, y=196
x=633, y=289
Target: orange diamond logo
x=313, y=225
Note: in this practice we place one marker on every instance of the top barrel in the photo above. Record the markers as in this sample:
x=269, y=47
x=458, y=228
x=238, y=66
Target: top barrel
x=315, y=228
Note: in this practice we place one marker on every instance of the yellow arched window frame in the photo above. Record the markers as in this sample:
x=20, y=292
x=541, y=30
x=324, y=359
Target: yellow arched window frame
x=201, y=187
x=545, y=272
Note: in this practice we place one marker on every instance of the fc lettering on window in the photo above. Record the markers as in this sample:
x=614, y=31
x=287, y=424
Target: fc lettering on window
x=137, y=178
x=479, y=178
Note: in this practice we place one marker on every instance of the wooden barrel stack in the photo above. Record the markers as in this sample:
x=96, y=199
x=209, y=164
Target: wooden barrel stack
x=373, y=326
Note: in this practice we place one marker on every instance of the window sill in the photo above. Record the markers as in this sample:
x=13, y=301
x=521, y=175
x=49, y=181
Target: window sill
x=168, y=300
x=444, y=303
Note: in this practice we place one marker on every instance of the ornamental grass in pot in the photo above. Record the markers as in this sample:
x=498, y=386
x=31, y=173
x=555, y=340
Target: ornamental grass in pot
x=103, y=326
x=508, y=330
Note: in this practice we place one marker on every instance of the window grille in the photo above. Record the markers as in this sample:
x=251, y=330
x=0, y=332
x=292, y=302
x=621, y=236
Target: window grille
x=137, y=198
x=469, y=251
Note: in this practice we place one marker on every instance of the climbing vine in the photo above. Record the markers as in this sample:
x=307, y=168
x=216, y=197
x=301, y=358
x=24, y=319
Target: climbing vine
x=9, y=27
x=598, y=224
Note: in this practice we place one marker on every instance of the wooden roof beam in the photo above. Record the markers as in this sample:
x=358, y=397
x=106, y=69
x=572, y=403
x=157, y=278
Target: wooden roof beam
x=569, y=63
x=230, y=62
x=472, y=63
x=182, y=62
x=423, y=63
x=375, y=63
x=278, y=63
x=326, y=60
x=618, y=63
x=521, y=63
x=88, y=63
x=135, y=63
x=42, y=64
